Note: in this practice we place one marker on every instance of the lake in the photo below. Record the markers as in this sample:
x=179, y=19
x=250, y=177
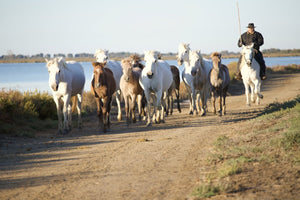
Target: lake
x=34, y=76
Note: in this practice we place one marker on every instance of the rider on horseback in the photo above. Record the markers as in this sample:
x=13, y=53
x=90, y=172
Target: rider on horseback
x=249, y=37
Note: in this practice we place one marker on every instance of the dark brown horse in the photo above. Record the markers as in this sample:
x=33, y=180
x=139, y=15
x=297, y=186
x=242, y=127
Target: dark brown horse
x=103, y=87
x=174, y=87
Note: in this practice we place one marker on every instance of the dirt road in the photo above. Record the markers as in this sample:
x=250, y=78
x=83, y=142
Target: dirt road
x=164, y=161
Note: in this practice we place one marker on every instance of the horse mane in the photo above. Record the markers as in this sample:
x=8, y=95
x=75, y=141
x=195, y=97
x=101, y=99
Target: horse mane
x=60, y=61
x=198, y=55
x=135, y=57
x=96, y=64
x=216, y=54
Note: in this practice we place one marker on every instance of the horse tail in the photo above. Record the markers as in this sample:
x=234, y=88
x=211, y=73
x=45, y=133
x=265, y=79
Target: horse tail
x=74, y=103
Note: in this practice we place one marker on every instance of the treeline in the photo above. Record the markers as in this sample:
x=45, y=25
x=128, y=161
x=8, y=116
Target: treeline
x=273, y=52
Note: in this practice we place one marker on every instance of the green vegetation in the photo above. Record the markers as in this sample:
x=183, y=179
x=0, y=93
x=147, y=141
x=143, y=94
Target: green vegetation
x=272, y=139
x=23, y=114
x=206, y=191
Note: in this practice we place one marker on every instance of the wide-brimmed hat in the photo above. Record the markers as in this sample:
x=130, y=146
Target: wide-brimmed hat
x=251, y=25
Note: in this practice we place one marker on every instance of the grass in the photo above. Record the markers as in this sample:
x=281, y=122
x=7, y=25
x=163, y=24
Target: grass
x=206, y=191
x=273, y=138
x=23, y=114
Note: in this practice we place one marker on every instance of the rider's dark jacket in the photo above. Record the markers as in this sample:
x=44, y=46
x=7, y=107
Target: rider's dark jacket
x=248, y=38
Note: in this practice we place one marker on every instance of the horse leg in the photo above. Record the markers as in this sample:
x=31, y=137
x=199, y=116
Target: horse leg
x=66, y=100
x=69, y=117
x=220, y=103
x=224, y=98
x=132, y=107
x=126, y=100
x=148, y=98
x=59, y=114
x=139, y=102
x=252, y=87
x=167, y=105
x=118, y=100
x=246, y=85
x=197, y=102
x=171, y=102
x=108, y=112
x=104, y=113
x=177, y=97
x=259, y=96
x=79, y=98
x=193, y=97
x=99, y=111
x=160, y=116
x=213, y=101
x=190, y=98
x=202, y=101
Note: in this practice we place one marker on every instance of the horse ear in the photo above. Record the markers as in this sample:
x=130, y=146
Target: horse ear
x=252, y=45
x=198, y=52
x=94, y=64
x=105, y=62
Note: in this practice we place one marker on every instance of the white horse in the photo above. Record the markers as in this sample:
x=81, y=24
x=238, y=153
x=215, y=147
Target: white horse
x=156, y=78
x=250, y=72
x=183, y=56
x=116, y=68
x=66, y=80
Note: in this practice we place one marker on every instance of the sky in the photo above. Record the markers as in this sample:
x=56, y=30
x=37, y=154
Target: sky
x=30, y=27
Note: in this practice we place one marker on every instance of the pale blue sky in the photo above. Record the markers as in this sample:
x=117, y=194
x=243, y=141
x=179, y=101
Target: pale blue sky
x=75, y=26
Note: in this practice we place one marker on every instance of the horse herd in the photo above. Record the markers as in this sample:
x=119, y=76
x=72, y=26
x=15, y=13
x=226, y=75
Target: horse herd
x=139, y=84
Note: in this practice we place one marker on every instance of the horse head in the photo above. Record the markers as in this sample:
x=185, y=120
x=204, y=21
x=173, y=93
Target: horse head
x=98, y=73
x=127, y=67
x=183, y=53
x=195, y=59
x=248, y=53
x=151, y=58
x=135, y=60
x=216, y=60
x=55, y=67
x=101, y=56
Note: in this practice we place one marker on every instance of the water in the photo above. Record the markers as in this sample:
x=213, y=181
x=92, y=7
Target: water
x=34, y=76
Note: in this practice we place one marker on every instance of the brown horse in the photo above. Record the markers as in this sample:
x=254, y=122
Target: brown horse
x=174, y=87
x=131, y=90
x=103, y=87
x=136, y=61
x=219, y=80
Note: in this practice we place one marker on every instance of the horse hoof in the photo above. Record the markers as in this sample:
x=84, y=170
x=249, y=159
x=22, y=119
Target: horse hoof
x=148, y=124
x=119, y=118
x=191, y=112
x=133, y=120
x=163, y=121
x=203, y=114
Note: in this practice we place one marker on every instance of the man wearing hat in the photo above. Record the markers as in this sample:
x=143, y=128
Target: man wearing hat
x=249, y=37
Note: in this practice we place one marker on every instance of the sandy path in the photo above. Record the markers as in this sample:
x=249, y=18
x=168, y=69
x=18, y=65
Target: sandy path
x=162, y=162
